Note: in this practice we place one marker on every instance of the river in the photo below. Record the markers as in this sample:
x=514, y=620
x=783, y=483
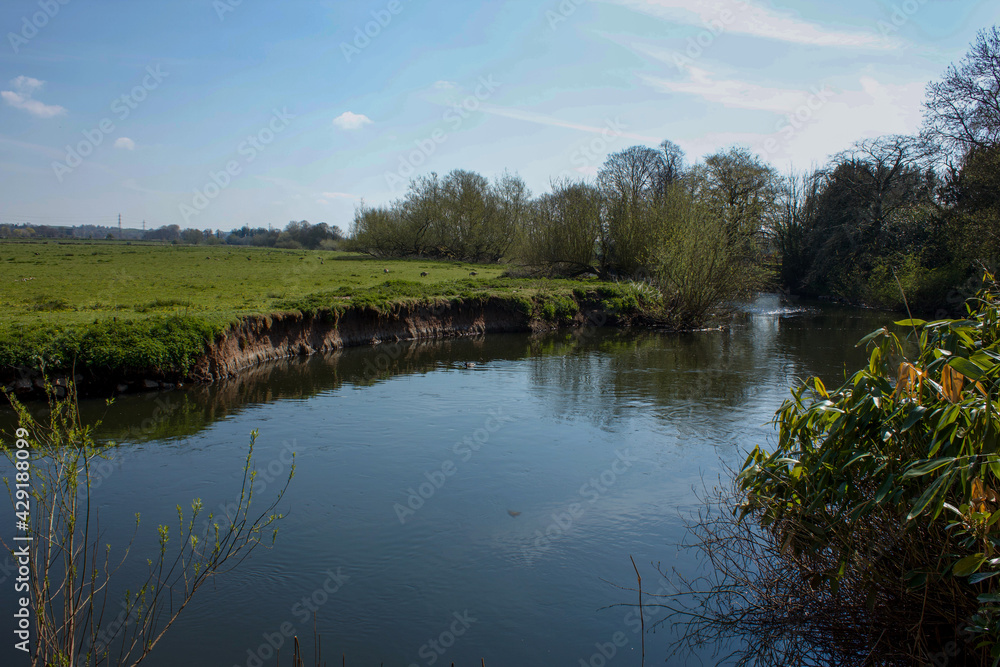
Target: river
x=492, y=508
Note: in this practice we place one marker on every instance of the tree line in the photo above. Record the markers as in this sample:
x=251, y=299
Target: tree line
x=890, y=216
x=296, y=235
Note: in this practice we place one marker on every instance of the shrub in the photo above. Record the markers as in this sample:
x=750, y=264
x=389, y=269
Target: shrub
x=883, y=490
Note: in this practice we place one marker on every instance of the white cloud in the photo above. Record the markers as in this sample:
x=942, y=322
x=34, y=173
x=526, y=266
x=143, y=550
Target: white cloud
x=22, y=98
x=26, y=84
x=328, y=197
x=611, y=125
x=351, y=121
x=730, y=92
x=125, y=142
x=445, y=85
x=739, y=16
x=866, y=109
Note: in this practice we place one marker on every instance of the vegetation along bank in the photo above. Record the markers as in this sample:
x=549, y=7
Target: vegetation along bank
x=129, y=317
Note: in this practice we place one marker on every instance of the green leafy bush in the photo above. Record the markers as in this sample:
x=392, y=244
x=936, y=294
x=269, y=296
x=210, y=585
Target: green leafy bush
x=888, y=482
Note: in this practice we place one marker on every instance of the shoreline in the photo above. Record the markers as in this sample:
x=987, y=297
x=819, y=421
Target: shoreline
x=256, y=339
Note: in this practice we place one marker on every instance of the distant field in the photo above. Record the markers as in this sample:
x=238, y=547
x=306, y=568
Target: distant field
x=78, y=282
x=118, y=307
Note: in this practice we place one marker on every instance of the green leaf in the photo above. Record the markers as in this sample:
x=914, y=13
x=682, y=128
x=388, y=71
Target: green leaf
x=968, y=565
x=926, y=498
x=982, y=576
x=911, y=323
x=912, y=417
x=884, y=489
x=928, y=467
x=966, y=368
x=870, y=337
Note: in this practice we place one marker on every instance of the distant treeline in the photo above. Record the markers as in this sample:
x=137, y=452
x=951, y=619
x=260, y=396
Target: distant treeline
x=295, y=235
x=893, y=215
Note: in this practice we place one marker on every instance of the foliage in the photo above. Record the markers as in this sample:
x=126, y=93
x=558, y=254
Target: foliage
x=461, y=216
x=169, y=344
x=921, y=209
x=903, y=455
x=561, y=229
x=705, y=263
x=73, y=576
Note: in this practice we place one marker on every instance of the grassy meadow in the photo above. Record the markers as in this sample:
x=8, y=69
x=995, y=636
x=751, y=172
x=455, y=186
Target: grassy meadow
x=109, y=305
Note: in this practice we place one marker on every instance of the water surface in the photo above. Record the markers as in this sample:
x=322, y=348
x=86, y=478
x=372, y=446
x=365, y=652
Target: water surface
x=493, y=508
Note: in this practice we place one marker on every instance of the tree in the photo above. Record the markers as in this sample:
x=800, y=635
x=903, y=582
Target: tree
x=742, y=190
x=630, y=182
x=962, y=110
x=787, y=233
x=192, y=236
x=874, y=205
x=562, y=228
x=672, y=168
x=631, y=175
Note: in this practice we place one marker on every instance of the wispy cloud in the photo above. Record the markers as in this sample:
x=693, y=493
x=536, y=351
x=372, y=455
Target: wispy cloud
x=751, y=19
x=326, y=198
x=351, y=121
x=729, y=92
x=125, y=143
x=541, y=119
x=49, y=153
x=22, y=97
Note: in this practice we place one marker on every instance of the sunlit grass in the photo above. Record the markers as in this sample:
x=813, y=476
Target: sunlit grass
x=112, y=306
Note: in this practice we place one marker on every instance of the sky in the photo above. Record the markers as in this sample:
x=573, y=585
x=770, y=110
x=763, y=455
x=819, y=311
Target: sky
x=215, y=114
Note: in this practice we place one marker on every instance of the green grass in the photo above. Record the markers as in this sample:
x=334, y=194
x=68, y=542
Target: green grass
x=115, y=305
x=78, y=282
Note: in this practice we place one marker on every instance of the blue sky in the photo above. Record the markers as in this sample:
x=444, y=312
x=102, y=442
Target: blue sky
x=219, y=113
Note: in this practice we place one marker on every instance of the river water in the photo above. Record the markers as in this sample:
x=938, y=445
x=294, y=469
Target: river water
x=442, y=512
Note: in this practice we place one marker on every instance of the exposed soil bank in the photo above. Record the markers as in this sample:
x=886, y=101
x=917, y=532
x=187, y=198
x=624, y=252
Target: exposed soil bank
x=258, y=338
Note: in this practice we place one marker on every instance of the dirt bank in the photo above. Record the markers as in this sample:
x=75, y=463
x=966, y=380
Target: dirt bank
x=259, y=338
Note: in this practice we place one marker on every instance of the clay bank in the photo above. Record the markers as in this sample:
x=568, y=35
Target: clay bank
x=258, y=338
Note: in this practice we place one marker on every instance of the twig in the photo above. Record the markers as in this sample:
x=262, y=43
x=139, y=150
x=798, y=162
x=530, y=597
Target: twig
x=642, y=616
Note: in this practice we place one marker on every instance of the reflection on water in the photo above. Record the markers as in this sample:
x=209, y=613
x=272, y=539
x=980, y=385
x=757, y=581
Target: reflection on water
x=498, y=500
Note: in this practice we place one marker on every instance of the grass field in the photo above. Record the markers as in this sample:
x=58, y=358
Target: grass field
x=76, y=282
x=116, y=305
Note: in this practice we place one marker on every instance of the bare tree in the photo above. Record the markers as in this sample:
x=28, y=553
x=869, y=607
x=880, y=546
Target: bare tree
x=962, y=110
x=673, y=165
x=631, y=175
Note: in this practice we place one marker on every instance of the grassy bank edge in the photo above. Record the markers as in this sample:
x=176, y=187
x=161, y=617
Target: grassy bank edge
x=169, y=345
